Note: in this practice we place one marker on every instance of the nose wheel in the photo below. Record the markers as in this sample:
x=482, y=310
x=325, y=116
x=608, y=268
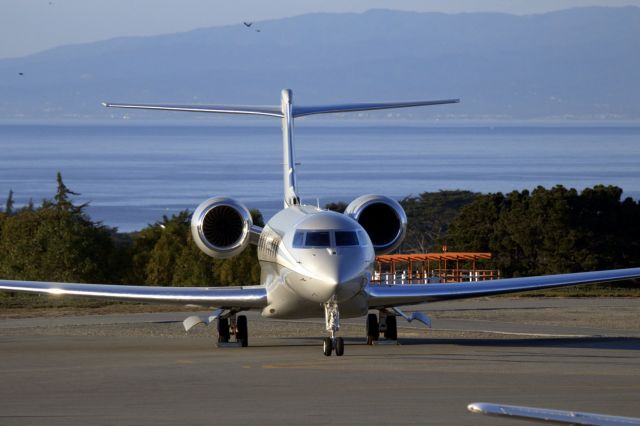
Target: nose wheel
x=332, y=323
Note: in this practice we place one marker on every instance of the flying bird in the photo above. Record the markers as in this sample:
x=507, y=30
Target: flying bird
x=20, y=73
x=247, y=24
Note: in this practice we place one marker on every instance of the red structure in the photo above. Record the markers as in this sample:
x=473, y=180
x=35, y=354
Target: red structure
x=432, y=268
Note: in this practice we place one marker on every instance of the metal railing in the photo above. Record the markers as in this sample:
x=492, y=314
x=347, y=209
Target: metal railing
x=434, y=276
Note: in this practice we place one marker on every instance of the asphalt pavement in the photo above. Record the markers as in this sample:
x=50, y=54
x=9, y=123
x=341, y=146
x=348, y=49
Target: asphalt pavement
x=143, y=369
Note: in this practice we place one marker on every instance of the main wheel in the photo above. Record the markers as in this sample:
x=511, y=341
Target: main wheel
x=373, y=330
x=223, y=330
x=327, y=347
x=391, y=332
x=339, y=346
x=242, y=332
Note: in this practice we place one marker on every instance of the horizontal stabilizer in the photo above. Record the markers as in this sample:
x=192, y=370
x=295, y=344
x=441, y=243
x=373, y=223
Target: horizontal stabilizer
x=273, y=111
x=276, y=111
x=300, y=111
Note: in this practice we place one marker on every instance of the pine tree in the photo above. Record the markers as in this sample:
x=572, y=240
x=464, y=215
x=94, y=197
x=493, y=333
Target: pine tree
x=62, y=198
x=8, y=207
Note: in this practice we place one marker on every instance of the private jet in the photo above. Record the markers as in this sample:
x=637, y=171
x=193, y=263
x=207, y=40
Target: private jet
x=314, y=262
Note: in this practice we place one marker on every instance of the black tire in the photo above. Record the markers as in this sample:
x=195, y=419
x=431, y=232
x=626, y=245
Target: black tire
x=391, y=332
x=339, y=346
x=327, y=346
x=242, y=332
x=373, y=329
x=223, y=330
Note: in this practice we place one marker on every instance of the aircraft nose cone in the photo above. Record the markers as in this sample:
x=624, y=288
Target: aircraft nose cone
x=339, y=277
x=346, y=278
x=331, y=274
x=341, y=271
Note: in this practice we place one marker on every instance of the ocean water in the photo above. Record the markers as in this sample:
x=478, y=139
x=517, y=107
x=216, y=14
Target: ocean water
x=133, y=173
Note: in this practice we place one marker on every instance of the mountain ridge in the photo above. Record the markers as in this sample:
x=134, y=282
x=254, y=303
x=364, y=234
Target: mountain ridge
x=574, y=63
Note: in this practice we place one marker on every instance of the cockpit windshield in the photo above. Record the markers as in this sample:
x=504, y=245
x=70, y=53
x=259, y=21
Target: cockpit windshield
x=321, y=239
x=346, y=238
x=317, y=239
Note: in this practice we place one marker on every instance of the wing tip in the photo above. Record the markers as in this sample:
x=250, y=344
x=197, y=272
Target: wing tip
x=476, y=407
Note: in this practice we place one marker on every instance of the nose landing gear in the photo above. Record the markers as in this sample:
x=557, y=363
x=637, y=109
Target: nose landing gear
x=332, y=323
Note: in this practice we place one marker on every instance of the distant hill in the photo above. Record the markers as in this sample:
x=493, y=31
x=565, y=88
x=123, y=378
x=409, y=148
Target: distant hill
x=579, y=63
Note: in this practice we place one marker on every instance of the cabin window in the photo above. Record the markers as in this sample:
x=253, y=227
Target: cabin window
x=318, y=239
x=346, y=238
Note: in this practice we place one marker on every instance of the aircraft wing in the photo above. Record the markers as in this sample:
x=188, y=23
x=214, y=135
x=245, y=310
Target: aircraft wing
x=544, y=415
x=246, y=297
x=381, y=296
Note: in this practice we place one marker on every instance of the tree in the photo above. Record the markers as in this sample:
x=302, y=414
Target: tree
x=429, y=216
x=8, y=207
x=62, y=199
x=56, y=244
x=551, y=231
x=339, y=206
x=165, y=254
x=168, y=239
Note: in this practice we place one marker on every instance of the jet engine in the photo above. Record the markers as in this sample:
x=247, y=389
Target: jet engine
x=221, y=227
x=383, y=218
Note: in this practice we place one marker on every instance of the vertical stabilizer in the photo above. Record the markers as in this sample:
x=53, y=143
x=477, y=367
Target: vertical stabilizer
x=291, y=197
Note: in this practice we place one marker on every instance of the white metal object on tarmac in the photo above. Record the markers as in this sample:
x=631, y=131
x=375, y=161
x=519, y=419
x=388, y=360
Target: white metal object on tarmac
x=545, y=415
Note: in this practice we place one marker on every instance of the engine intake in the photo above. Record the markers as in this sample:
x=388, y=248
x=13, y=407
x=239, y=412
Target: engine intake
x=383, y=218
x=221, y=227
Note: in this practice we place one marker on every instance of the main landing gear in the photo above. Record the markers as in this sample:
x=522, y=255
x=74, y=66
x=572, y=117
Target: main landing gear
x=227, y=324
x=236, y=326
x=387, y=324
x=332, y=323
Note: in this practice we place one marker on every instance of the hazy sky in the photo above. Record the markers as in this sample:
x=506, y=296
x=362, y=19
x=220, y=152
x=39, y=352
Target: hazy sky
x=29, y=26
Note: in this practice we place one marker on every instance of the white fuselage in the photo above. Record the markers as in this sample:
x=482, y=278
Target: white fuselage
x=309, y=256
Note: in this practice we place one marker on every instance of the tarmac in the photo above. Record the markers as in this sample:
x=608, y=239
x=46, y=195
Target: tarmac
x=143, y=369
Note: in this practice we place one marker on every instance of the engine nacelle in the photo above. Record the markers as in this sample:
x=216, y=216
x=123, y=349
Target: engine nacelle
x=383, y=218
x=221, y=227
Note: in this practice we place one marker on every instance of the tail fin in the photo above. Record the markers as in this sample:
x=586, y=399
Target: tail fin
x=287, y=112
